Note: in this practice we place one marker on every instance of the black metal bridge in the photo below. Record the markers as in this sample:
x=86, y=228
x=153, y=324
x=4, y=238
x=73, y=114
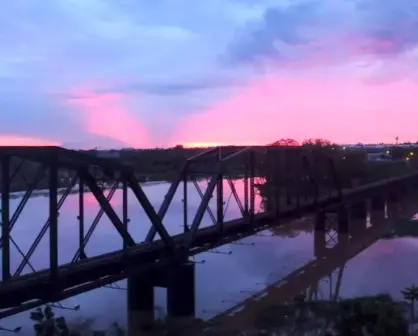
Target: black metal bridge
x=292, y=182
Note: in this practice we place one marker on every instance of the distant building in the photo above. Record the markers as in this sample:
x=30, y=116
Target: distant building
x=108, y=154
x=379, y=157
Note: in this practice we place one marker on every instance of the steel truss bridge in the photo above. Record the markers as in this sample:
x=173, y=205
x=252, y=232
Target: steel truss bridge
x=292, y=182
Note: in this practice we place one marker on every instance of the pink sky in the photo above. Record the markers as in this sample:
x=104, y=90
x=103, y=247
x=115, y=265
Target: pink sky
x=337, y=107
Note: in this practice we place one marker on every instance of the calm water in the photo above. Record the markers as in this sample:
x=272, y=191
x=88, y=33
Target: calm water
x=222, y=279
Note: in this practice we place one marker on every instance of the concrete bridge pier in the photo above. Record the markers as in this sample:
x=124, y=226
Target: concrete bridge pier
x=320, y=235
x=377, y=203
x=393, y=196
x=181, y=297
x=343, y=224
x=140, y=306
x=358, y=214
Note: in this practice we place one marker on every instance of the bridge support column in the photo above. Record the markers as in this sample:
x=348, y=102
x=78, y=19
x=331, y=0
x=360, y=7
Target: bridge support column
x=359, y=210
x=181, y=297
x=393, y=196
x=140, y=306
x=358, y=213
x=377, y=203
x=343, y=224
x=319, y=234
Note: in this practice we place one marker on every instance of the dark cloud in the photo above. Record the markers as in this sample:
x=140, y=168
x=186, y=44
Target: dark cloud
x=374, y=27
x=278, y=24
x=175, y=87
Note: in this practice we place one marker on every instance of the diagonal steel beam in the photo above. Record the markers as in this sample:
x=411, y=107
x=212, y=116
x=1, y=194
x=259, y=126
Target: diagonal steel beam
x=339, y=281
x=31, y=186
x=168, y=198
x=194, y=227
x=95, y=222
x=149, y=210
x=101, y=199
x=236, y=197
x=208, y=209
x=44, y=229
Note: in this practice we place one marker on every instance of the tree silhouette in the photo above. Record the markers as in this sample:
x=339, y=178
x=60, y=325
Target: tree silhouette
x=285, y=143
x=316, y=142
x=410, y=294
x=46, y=324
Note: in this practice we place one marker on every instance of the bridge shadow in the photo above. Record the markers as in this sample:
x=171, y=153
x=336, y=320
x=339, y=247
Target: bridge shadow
x=333, y=250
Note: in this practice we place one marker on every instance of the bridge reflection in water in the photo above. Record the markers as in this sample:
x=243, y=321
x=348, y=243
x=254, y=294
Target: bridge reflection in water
x=340, y=234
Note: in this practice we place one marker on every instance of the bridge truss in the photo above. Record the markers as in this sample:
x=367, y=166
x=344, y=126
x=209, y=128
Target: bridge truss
x=288, y=181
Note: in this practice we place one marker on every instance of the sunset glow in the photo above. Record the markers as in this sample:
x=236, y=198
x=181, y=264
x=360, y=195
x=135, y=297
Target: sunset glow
x=13, y=140
x=243, y=74
x=105, y=115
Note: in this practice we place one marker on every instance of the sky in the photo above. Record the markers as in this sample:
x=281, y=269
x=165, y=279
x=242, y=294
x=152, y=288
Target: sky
x=141, y=73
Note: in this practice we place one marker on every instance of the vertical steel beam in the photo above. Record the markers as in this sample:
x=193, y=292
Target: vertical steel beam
x=277, y=185
x=252, y=186
x=246, y=173
x=185, y=202
x=125, y=218
x=298, y=178
x=5, y=215
x=220, y=203
x=53, y=218
x=81, y=218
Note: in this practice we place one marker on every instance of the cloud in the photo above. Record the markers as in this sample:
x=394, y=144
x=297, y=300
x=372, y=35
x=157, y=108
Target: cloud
x=150, y=73
x=297, y=30
x=326, y=103
x=105, y=115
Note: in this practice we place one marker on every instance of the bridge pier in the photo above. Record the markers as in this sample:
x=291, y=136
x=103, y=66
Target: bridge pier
x=359, y=210
x=140, y=306
x=320, y=235
x=343, y=220
x=358, y=214
x=181, y=296
x=393, y=196
x=377, y=203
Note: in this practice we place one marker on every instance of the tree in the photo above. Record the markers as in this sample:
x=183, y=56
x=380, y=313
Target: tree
x=411, y=295
x=316, y=142
x=285, y=143
x=375, y=315
x=46, y=324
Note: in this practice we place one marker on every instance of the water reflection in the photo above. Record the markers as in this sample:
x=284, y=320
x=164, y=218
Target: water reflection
x=223, y=279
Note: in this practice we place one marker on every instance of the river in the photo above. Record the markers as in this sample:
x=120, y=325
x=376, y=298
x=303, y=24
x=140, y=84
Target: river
x=223, y=278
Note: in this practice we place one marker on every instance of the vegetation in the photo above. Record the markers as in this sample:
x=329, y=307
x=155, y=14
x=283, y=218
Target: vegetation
x=164, y=164
x=377, y=315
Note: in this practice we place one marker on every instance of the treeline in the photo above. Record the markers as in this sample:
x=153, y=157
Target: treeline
x=351, y=165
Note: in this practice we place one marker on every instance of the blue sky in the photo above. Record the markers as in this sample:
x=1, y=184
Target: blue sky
x=154, y=73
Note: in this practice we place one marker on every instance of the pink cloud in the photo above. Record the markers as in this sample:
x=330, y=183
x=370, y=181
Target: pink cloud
x=104, y=114
x=17, y=140
x=333, y=105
